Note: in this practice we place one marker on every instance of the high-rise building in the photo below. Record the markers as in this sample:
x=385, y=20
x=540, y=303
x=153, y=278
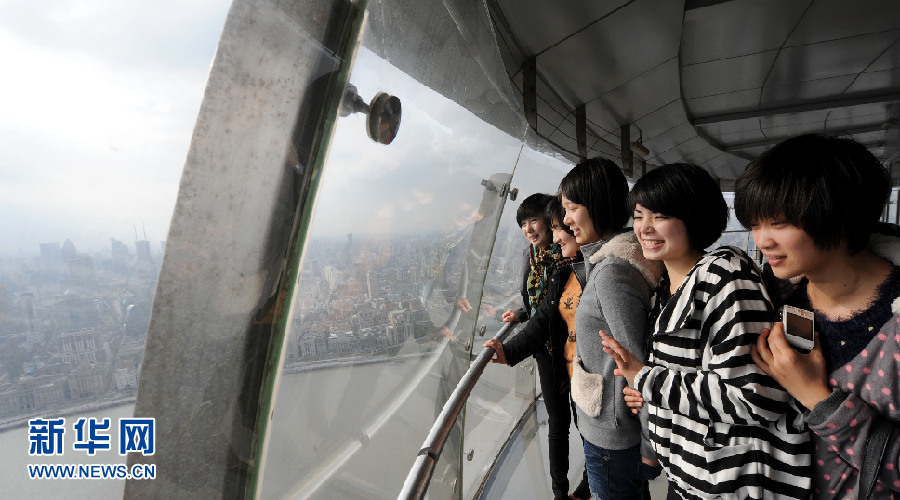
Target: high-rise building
x=373, y=285
x=120, y=256
x=52, y=260
x=137, y=318
x=331, y=276
x=144, y=263
x=143, y=250
x=78, y=346
x=68, y=250
x=81, y=269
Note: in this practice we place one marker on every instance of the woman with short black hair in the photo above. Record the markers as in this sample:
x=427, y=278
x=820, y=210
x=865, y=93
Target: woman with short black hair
x=617, y=281
x=813, y=204
x=718, y=425
x=551, y=332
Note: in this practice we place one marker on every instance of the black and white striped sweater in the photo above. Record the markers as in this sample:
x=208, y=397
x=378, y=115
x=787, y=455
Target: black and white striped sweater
x=720, y=427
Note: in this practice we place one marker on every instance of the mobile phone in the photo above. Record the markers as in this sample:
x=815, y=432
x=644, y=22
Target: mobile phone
x=799, y=328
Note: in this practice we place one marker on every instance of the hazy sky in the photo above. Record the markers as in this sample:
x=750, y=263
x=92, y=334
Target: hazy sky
x=97, y=103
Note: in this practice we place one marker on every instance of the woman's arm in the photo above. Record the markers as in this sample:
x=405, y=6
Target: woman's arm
x=863, y=422
x=624, y=297
x=534, y=336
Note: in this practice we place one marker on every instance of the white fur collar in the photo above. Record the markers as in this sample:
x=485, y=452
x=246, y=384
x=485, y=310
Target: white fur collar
x=887, y=247
x=626, y=246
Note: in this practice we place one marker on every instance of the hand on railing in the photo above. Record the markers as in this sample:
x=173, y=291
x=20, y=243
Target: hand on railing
x=495, y=344
x=510, y=316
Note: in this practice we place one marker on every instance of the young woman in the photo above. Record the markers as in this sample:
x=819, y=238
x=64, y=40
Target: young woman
x=540, y=259
x=539, y=256
x=617, y=281
x=718, y=425
x=812, y=203
x=553, y=325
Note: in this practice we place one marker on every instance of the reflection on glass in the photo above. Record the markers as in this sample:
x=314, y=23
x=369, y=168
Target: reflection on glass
x=388, y=297
x=503, y=394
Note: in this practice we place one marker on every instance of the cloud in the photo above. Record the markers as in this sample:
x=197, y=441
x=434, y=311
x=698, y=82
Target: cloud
x=129, y=33
x=99, y=100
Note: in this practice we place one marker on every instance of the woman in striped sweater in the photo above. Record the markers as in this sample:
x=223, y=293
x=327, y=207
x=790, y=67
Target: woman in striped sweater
x=718, y=425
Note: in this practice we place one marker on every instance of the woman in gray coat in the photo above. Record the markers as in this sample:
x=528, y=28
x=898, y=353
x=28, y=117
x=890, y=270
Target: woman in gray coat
x=617, y=282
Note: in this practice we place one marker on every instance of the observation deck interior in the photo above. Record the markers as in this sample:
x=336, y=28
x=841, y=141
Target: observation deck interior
x=322, y=294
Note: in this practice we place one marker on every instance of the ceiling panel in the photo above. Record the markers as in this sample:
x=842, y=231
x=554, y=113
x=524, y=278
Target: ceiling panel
x=610, y=53
x=749, y=132
x=744, y=20
x=776, y=96
x=637, y=98
x=732, y=128
x=731, y=102
x=547, y=24
x=864, y=113
x=777, y=132
x=750, y=71
x=890, y=59
x=852, y=126
x=726, y=75
x=682, y=151
x=807, y=117
x=847, y=56
x=669, y=141
x=663, y=119
x=836, y=19
x=888, y=80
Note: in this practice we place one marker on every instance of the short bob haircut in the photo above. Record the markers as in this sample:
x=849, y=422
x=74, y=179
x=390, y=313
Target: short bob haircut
x=600, y=186
x=688, y=193
x=556, y=213
x=833, y=189
x=534, y=206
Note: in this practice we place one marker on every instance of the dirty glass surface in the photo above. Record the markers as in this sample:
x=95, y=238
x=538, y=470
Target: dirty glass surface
x=390, y=291
x=504, y=393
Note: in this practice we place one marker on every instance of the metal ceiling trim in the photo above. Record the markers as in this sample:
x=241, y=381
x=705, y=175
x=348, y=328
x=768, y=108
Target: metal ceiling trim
x=864, y=129
x=814, y=105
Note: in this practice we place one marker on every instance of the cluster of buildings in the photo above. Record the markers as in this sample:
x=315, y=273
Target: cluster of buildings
x=72, y=326
x=369, y=297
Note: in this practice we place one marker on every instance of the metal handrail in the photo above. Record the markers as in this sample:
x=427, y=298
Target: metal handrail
x=419, y=477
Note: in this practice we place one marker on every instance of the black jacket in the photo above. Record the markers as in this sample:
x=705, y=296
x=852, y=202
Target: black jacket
x=546, y=332
x=524, y=312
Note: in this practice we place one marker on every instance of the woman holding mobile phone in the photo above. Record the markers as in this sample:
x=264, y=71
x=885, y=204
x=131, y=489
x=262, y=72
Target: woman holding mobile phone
x=812, y=203
x=718, y=425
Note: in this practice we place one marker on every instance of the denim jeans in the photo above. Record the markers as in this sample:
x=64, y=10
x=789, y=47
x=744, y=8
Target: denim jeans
x=613, y=474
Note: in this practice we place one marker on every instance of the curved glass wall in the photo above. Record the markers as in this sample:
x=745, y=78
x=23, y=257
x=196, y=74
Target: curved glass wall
x=401, y=268
x=503, y=395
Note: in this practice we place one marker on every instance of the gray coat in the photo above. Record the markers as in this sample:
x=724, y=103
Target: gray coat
x=617, y=282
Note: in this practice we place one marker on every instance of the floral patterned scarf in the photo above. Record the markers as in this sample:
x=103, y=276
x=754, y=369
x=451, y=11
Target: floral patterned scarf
x=541, y=261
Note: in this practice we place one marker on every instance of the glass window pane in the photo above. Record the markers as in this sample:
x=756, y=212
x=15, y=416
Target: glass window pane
x=504, y=393
x=390, y=292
